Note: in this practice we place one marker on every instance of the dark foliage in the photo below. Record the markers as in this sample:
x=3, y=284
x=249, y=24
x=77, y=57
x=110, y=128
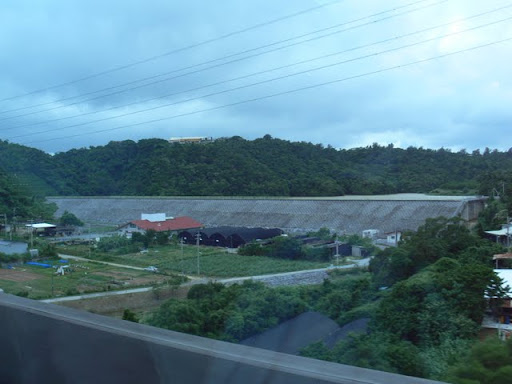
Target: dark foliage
x=266, y=166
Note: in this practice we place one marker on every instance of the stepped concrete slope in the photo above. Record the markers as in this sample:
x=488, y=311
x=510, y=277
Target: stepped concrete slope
x=345, y=214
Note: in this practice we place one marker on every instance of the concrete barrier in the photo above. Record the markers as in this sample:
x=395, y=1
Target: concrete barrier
x=46, y=343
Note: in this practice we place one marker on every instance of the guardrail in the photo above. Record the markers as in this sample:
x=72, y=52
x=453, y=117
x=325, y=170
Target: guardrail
x=45, y=343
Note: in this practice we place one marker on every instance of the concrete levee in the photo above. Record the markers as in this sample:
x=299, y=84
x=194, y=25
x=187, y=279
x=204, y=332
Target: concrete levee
x=348, y=214
x=44, y=343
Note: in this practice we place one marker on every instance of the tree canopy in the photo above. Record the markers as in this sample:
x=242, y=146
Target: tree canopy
x=260, y=167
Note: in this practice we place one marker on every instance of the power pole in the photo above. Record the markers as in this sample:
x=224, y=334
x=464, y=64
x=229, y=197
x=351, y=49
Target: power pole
x=337, y=255
x=198, y=237
x=5, y=223
x=31, y=234
x=13, y=225
x=508, y=231
x=181, y=260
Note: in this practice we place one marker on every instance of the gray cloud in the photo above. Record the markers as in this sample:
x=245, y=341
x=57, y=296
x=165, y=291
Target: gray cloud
x=452, y=102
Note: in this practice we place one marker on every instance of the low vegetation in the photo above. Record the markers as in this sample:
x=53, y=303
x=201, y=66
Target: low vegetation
x=213, y=262
x=81, y=277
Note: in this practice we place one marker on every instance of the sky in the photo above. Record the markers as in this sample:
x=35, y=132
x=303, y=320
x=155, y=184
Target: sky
x=344, y=73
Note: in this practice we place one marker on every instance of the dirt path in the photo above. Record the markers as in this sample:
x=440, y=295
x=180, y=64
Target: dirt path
x=311, y=276
x=69, y=257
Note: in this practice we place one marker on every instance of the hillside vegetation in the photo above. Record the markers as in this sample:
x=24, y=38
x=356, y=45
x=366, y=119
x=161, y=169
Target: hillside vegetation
x=15, y=200
x=261, y=167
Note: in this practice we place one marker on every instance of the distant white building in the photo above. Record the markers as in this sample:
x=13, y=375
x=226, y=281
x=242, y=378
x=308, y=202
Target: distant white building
x=370, y=233
x=184, y=140
x=393, y=237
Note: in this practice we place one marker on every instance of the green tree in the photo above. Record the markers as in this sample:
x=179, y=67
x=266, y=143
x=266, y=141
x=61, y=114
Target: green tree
x=490, y=362
x=69, y=219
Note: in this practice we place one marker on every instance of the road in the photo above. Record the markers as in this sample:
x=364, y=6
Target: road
x=194, y=279
x=78, y=258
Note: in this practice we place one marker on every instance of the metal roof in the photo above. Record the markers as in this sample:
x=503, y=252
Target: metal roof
x=175, y=224
x=41, y=225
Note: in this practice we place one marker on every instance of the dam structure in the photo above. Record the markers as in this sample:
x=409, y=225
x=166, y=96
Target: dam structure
x=342, y=215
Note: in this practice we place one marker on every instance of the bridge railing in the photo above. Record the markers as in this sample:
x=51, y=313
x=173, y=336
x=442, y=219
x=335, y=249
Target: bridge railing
x=46, y=343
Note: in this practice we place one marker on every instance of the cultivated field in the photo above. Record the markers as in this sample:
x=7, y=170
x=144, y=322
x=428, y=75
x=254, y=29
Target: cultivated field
x=37, y=282
x=213, y=262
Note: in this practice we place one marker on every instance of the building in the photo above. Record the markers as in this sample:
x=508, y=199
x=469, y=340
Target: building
x=13, y=247
x=193, y=140
x=159, y=222
x=41, y=229
x=500, y=317
x=231, y=237
x=502, y=235
x=370, y=233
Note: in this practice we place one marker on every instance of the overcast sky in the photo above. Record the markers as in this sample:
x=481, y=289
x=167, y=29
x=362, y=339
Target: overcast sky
x=345, y=73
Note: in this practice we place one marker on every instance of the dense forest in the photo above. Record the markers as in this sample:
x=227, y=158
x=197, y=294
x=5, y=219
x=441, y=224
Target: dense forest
x=425, y=299
x=17, y=201
x=261, y=167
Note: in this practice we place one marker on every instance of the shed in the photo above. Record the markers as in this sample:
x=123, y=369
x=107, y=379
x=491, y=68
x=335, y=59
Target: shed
x=231, y=237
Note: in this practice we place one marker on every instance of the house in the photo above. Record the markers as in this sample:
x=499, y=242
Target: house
x=502, y=235
x=370, y=233
x=499, y=316
x=159, y=222
x=393, y=238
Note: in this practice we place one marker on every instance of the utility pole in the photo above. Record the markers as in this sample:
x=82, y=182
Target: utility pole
x=508, y=231
x=13, y=225
x=181, y=260
x=31, y=234
x=5, y=223
x=89, y=242
x=337, y=255
x=198, y=237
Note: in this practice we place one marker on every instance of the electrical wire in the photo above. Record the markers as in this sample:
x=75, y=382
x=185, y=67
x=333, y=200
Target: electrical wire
x=264, y=81
x=182, y=49
x=274, y=69
x=219, y=59
x=279, y=93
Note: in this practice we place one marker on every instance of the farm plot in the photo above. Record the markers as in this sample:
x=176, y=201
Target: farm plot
x=213, y=262
x=84, y=277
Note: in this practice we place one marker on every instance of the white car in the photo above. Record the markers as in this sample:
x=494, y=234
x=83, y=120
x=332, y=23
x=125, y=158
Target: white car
x=151, y=268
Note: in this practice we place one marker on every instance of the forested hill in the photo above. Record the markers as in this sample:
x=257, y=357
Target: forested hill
x=261, y=167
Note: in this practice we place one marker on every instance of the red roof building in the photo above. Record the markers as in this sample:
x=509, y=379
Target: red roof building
x=170, y=224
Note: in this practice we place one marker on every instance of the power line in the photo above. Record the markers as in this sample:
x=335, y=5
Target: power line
x=182, y=49
x=264, y=81
x=280, y=93
x=275, y=68
x=220, y=59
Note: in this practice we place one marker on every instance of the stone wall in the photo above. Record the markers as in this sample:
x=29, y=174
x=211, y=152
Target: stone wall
x=341, y=215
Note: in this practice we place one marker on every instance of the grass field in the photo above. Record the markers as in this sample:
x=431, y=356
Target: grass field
x=213, y=262
x=38, y=282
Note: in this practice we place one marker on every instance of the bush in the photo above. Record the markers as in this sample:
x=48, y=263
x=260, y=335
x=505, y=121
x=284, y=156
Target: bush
x=109, y=243
x=130, y=316
x=69, y=219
